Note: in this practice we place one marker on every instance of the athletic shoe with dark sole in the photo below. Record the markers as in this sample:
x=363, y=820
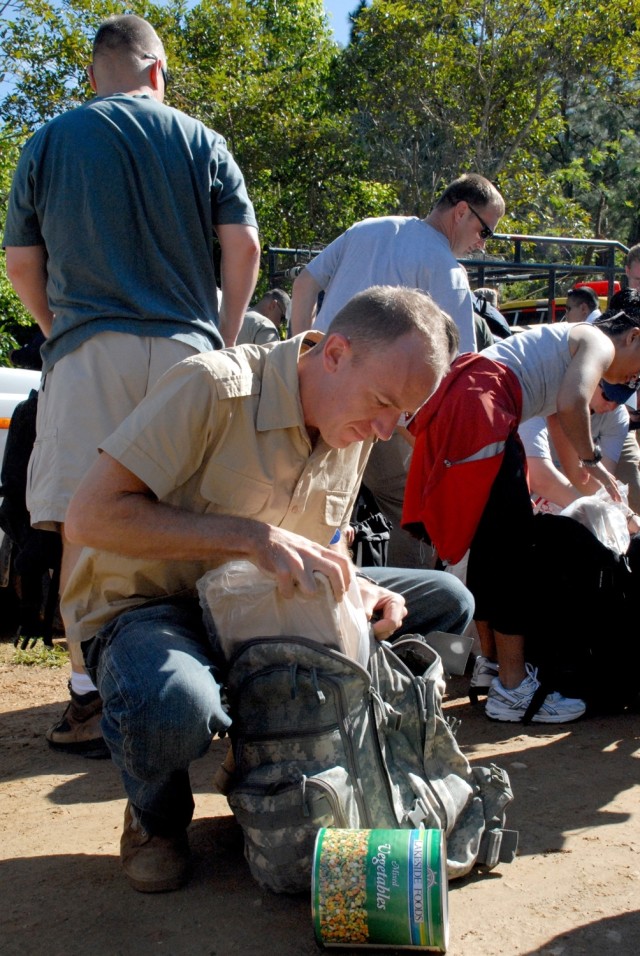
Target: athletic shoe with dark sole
x=511, y=705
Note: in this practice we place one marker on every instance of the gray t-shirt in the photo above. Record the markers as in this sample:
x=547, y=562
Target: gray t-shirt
x=539, y=358
x=124, y=193
x=397, y=251
x=257, y=329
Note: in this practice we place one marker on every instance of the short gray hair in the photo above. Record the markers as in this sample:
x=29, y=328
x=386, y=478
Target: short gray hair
x=376, y=318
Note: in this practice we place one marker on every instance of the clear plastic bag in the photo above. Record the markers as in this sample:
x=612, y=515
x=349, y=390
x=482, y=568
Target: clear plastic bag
x=603, y=516
x=242, y=602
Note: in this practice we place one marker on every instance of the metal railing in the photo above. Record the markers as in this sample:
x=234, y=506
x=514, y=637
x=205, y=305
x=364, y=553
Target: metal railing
x=509, y=266
x=515, y=267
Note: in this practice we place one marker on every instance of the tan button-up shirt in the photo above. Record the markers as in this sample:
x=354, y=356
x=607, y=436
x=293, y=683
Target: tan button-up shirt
x=221, y=433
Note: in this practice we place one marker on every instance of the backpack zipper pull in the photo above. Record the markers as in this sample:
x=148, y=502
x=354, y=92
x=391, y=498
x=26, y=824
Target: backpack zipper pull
x=316, y=686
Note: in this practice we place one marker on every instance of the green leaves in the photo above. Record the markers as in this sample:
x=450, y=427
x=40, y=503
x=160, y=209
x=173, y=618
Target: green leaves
x=541, y=97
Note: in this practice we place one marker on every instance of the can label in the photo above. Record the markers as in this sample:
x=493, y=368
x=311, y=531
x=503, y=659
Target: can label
x=380, y=888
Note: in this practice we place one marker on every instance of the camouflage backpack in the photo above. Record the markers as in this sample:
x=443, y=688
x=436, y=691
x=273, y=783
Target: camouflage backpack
x=320, y=741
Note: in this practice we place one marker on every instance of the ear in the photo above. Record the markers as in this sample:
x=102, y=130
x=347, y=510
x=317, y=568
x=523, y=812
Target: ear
x=336, y=349
x=155, y=78
x=460, y=210
x=92, y=79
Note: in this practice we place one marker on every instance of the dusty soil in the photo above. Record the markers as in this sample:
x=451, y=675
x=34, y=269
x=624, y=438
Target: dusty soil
x=574, y=888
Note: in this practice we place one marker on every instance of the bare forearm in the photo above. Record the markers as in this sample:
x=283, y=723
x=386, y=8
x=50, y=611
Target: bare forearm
x=27, y=272
x=112, y=510
x=304, y=300
x=238, y=274
x=576, y=425
x=546, y=481
x=138, y=526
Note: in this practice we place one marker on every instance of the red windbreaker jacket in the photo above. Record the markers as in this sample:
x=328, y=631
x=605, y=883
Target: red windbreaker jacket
x=460, y=437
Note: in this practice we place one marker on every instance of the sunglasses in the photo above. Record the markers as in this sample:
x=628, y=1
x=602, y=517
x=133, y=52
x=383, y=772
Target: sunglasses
x=485, y=232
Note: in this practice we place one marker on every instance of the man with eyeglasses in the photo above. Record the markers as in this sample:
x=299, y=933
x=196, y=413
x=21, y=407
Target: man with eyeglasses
x=420, y=254
x=405, y=250
x=110, y=245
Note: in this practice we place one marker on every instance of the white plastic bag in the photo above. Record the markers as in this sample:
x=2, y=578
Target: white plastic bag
x=244, y=602
x=603, y=516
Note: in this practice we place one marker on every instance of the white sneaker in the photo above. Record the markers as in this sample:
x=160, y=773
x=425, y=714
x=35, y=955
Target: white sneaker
x=484, y=671
x=511, y=705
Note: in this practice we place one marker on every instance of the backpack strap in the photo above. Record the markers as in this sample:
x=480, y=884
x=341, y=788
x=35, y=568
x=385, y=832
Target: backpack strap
x=497, y=846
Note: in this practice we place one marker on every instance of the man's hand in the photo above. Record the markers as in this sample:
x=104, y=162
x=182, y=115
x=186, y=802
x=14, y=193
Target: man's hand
x=387, y=606
x=293, y=560
x=600, y=474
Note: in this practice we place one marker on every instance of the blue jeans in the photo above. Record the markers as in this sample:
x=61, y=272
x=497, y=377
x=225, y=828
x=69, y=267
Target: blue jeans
x=157, y=675
x=436, y=601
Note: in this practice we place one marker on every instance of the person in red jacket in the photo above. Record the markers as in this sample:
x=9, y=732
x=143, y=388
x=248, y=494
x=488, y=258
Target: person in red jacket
x=467, y=485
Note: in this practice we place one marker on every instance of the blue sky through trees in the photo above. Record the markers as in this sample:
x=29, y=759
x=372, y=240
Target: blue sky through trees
x=338, y=11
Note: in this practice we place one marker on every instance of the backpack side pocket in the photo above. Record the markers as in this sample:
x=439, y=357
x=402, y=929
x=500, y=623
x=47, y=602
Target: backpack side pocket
x=280, y=824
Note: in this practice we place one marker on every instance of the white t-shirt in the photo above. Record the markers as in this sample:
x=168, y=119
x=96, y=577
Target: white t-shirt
x=608, y=430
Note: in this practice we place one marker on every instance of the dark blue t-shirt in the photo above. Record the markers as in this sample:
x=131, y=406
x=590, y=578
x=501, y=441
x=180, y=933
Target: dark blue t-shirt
x=124, y=193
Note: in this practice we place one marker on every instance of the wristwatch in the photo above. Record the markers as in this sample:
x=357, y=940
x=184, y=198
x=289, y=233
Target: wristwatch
x=592, y=462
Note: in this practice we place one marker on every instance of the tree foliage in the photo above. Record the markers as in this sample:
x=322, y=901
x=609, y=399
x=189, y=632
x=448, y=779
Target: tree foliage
x=446, y=86
x=540, y=97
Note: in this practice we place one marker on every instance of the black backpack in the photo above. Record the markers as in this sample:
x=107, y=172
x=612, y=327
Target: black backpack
x=583, y=617
x=496, y=321
x=372, y=531
x=35, y=555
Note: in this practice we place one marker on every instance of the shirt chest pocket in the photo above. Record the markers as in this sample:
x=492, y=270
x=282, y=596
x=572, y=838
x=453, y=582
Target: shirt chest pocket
x=236, y=493
x=335, y=507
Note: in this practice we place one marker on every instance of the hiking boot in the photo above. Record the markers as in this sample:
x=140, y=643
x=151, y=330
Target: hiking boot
x=152, y=864
x=484, y=671
x=511, y=705
x=78, y=731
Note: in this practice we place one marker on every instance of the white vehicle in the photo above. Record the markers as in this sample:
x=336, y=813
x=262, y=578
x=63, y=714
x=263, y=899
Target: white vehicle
x=15, y=385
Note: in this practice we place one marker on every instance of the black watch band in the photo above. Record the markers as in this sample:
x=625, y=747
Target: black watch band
x=592, y=462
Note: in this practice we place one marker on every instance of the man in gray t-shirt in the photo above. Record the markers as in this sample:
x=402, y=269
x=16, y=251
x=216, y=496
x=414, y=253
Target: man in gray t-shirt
x=109, y=243
x=420, y=254
x=405, y=251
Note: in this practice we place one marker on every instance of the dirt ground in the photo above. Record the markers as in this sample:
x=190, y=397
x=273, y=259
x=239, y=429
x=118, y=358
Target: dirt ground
x=573, y=889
